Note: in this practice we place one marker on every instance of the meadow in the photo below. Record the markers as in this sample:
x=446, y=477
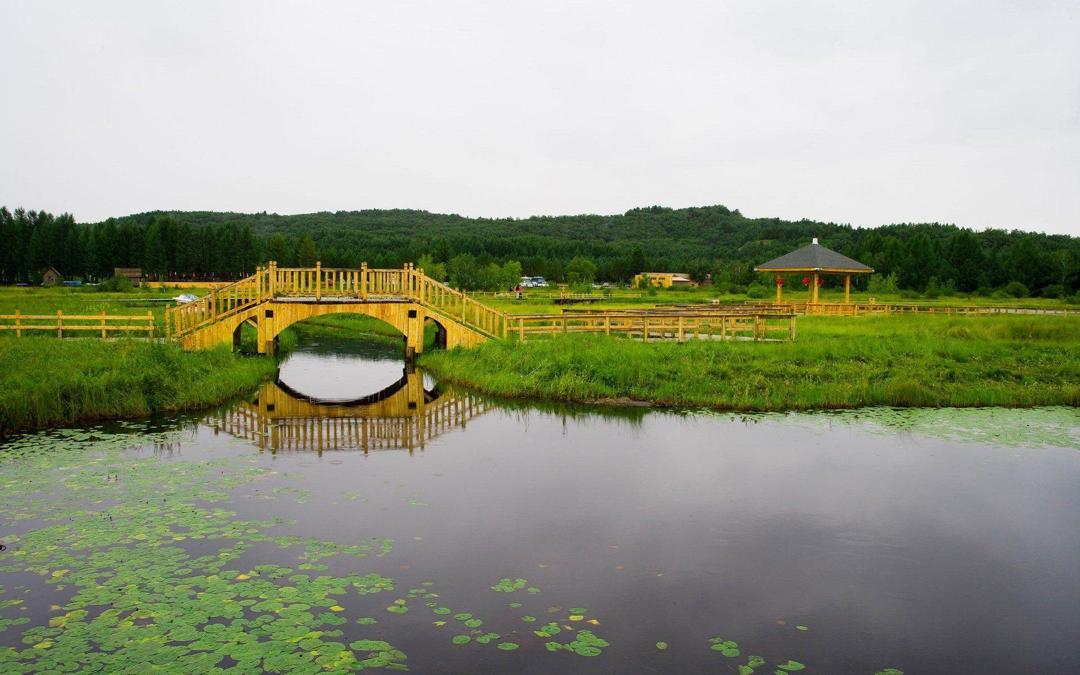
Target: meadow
x=87, y=300
x=837, y=362
x=49, y=382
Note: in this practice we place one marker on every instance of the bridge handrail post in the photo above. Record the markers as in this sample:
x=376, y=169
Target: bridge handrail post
x=363, y=281
x=318, y=281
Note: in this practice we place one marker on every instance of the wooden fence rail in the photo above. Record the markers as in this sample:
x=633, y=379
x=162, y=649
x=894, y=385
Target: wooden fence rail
x=659, y=325
x=99, y=323
x=859, y=309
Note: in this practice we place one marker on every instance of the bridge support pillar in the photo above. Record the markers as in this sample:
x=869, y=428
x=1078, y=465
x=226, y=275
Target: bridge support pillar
x=264, y=322
x=414, y=336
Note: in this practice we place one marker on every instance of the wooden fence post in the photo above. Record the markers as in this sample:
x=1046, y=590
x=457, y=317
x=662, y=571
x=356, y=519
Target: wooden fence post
x=102, y=324
x=149, y=325
x=18, y=323
x=59, y=323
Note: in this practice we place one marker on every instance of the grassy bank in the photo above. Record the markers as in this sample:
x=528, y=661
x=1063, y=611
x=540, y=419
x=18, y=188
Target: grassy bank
x=47, y=382
x=837, y=362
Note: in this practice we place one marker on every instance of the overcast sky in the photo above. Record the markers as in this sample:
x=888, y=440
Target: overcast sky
x=856, y=112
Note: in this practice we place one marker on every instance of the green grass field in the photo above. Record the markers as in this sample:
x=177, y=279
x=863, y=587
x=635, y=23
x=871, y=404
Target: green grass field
x=86, y=300
x=837, y=362
x=542, y=301
x=48, y=382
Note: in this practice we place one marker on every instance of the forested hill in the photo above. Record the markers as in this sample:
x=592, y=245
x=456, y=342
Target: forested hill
x=702, y=240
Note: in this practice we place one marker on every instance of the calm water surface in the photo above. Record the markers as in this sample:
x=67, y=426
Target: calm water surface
x=926, y=541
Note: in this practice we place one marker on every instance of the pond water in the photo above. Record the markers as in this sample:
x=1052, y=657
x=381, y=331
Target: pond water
x=355, y=515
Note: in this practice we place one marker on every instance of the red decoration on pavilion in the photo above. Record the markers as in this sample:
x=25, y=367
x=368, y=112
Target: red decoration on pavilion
x=779, y=281
x=806, y=281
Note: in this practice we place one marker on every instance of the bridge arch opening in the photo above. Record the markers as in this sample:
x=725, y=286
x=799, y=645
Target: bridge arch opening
x=347, y=356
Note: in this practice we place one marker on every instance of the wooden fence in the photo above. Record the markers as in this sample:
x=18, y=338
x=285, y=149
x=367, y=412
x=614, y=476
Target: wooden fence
x=102, y=324
x=860, y=309
x=648, y=325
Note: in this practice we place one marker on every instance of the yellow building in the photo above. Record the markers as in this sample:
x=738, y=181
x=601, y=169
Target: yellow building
x=665, y=279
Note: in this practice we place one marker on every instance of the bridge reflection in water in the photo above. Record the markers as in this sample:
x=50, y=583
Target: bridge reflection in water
x=404, y=416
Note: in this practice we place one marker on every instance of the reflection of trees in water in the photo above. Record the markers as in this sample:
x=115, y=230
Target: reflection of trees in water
x=402, y=416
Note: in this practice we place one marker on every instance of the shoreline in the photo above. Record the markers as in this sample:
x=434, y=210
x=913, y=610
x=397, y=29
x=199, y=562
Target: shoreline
x=838, y=363
x=48, y=383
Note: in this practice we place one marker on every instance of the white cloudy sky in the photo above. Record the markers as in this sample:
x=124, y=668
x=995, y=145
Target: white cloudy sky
x=862, y=112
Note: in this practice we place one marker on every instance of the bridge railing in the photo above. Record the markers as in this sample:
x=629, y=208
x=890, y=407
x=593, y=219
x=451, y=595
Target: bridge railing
x=318, y=283
x=219, y=304
x=455, y=304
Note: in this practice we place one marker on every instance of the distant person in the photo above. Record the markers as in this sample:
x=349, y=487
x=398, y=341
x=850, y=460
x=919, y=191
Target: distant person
x=517, y=291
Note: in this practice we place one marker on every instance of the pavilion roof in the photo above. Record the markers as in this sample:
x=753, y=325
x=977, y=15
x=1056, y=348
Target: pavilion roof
x=814, y=258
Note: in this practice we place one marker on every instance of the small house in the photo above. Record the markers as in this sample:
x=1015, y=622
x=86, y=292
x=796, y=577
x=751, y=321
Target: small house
x=132, y=274
x=51, y=277
x=665, y=279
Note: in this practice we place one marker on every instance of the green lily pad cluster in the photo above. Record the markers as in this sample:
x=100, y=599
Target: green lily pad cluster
x=585, y=643
x=728, y=648
x=507, y=585
x=112, y=530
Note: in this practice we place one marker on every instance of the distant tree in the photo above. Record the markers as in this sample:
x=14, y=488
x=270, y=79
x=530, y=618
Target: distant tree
x=277, y=250
x=464, y=272
x=435, y=270
x=306, y=254
x=580, y=270
x=699, y=269
x=510, y=275
x=637, y=262
x=153, y=259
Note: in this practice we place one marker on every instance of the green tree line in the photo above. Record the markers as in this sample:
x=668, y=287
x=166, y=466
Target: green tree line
x=492, y=252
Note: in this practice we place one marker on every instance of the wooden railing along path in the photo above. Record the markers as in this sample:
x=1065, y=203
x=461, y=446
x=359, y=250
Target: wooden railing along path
x=660, y=324
x=859, y=309
x=59, y=322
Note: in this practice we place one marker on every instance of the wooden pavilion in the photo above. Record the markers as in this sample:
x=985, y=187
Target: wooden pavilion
x=814, y=260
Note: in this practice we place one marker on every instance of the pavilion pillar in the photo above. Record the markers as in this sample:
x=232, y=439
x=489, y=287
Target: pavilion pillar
x=779, y=293
x=847, y=289
x=814, y=288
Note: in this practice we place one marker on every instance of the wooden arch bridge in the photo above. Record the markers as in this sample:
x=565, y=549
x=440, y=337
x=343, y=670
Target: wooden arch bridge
x=275, y=297
x=402, y=416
